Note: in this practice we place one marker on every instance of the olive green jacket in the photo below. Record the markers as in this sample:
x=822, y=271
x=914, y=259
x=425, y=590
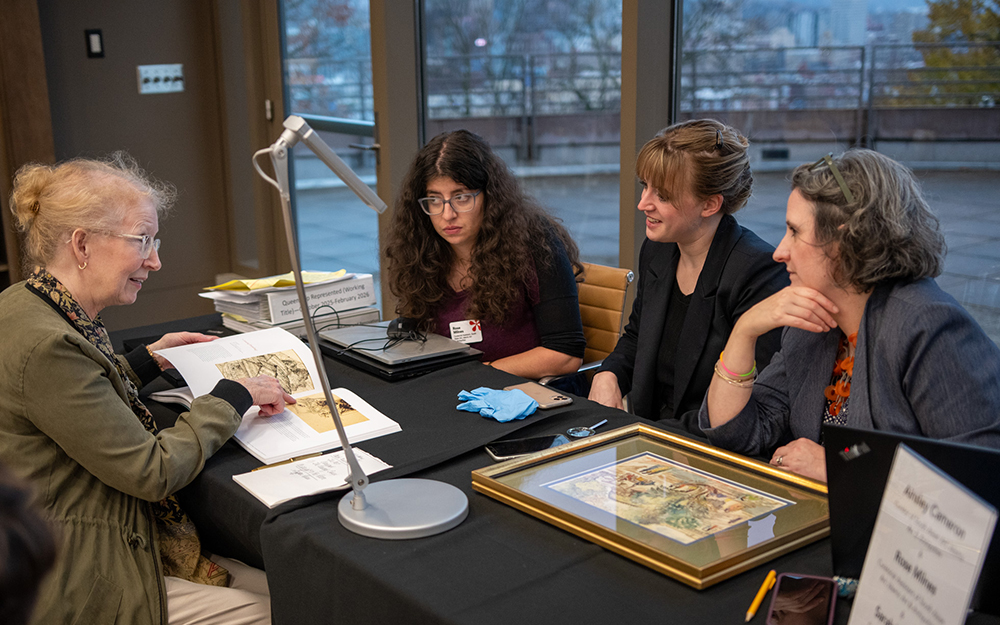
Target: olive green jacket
x=66, y=426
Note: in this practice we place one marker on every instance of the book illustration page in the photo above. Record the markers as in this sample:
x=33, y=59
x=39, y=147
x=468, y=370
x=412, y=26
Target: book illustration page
x=286, y=366
x=672, y=499
x=313, y=410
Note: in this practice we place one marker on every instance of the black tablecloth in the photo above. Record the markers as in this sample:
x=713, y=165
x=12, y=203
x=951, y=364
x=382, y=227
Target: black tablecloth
x=499, y=566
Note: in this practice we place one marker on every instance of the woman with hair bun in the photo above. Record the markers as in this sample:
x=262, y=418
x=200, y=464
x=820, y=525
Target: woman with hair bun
x=72, y=424
x=699, y=271
x=870, y=341
x=471, y=256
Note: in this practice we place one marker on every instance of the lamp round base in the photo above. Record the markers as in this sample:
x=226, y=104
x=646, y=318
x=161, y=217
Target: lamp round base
x=405, y=508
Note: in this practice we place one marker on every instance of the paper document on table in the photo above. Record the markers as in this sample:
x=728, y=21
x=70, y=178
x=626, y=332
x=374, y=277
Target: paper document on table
x=287, y=280
x=305, y=426
x=278, y=484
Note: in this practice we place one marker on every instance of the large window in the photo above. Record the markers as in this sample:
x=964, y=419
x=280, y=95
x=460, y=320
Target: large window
x=328, y=81
x=541, y=81
x=914, y=79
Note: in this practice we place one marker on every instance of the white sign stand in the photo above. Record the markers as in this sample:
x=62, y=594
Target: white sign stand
x=930, y=538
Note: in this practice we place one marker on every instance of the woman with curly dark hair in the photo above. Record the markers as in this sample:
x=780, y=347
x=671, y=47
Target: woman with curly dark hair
x=471, y=256
x=869, y=341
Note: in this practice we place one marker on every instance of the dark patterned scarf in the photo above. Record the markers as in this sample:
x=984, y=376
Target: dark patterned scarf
x=180, y=549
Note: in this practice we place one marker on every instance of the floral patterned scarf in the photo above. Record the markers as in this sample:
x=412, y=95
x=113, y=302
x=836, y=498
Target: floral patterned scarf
x=180, y=549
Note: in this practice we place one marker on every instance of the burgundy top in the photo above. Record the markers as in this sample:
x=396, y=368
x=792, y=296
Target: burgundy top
x=518, y=335
x=547, y=313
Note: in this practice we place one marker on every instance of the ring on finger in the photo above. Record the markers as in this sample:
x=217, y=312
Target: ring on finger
x=778, y=461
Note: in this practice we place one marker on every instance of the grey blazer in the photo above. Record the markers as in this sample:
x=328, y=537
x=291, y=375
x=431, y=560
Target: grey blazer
x=922, y=366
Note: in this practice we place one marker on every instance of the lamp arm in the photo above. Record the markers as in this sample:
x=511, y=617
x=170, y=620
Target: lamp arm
x=297, y=129
x=307, y=135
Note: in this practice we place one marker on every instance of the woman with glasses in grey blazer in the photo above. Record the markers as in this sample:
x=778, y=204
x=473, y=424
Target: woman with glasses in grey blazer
x=869, y=339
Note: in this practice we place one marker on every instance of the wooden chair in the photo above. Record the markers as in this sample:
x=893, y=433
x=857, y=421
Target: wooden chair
x=603, y=293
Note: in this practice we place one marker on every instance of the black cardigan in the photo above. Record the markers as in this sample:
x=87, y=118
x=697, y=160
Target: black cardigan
x=738, y=273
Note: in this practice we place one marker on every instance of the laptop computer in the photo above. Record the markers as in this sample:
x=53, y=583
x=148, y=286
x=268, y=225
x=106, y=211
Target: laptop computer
x=369, y=348
x=857, y=466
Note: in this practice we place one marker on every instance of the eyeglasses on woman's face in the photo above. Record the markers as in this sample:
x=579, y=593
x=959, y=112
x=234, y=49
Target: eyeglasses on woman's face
x=461, y=203
x=146, y=243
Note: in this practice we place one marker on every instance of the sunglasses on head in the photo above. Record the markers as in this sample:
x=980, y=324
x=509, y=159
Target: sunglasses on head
x=828, y=159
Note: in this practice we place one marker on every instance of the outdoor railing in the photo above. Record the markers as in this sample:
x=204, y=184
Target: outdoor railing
x=854, y=83
x=934, y=75
x=773, y=79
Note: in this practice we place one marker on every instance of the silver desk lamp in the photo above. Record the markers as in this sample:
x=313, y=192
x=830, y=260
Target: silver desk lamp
x=394, y=509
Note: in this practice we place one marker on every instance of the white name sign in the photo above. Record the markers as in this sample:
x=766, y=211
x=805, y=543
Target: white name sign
x=930, y=537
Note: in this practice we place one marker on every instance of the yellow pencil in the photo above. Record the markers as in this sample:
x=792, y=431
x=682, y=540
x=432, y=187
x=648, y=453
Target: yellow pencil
x=759, y=599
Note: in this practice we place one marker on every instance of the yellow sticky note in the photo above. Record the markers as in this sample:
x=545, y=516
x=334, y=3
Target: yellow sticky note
x=285, y=279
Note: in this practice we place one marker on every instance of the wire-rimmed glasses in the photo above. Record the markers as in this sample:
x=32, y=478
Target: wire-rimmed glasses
x=147, y=243
x=461, y=203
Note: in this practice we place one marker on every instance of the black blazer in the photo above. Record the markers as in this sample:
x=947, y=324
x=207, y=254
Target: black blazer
x=738, y=273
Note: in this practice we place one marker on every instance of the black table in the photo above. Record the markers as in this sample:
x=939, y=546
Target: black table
x=499, y=566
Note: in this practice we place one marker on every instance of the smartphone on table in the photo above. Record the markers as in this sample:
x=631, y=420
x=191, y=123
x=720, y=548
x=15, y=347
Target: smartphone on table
x=515, y=448
x=802, y=600
x=545, y=396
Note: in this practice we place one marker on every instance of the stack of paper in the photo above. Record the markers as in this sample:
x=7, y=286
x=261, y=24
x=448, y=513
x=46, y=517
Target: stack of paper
x=359, y=316
x=334, y=298
x=304, y=427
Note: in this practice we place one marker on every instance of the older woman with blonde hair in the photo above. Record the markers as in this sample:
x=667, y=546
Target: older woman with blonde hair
x=71, y=422
x=869, y=339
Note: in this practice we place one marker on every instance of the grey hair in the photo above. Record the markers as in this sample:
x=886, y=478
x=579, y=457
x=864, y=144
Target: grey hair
x=887, y=233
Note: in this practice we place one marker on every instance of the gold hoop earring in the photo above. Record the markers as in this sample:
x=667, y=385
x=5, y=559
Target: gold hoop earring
x=83, y=266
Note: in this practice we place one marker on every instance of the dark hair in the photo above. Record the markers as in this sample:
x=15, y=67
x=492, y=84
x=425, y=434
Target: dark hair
x=27, y=550
x=887, y=233
x=503, y=258
x=706, y=156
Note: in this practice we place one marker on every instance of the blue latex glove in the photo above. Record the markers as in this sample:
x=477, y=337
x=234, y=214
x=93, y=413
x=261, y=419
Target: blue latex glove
x=500, y=405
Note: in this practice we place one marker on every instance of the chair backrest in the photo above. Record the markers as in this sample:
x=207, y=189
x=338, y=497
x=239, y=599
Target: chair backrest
x=602, y=308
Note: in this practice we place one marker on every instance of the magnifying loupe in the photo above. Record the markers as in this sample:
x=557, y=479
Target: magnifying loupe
x=583, y=432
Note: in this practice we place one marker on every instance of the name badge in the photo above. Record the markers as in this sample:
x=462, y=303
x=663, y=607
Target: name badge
x=468, y=331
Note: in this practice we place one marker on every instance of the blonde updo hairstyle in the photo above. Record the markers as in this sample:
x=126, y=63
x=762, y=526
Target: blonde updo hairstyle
x=886, y=233
x=49, y=202
x=702, y=155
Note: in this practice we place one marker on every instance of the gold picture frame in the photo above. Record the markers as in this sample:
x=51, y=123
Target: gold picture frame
x=686, y=509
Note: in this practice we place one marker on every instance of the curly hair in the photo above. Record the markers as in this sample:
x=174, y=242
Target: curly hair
x=887, y=233
x=504, y=256
x=704, y=155
x=50, y=201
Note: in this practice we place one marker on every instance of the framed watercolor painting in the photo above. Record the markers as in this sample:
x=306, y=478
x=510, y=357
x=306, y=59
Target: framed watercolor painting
x=691, y=511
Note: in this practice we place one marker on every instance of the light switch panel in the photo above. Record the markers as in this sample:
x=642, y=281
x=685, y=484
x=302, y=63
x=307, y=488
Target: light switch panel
x=95, y=43
x=161, y=78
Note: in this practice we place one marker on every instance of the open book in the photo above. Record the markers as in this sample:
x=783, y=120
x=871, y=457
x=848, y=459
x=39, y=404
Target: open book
x=304, y=427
